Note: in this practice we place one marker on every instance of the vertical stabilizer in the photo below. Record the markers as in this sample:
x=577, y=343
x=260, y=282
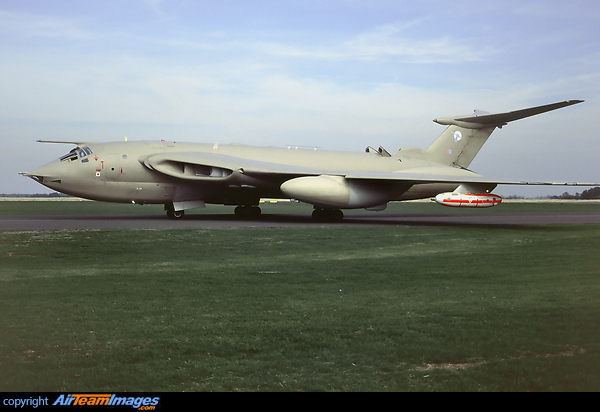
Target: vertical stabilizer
x=458, y=146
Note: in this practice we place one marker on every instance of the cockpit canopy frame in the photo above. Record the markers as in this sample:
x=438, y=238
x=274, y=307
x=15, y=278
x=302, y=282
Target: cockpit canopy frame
x=77, y=153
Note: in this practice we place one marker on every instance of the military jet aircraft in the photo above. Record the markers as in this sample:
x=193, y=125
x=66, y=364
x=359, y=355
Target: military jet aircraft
x=184, y=176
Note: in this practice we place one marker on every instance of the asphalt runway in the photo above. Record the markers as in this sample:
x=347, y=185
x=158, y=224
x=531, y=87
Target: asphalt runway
x=80, y=222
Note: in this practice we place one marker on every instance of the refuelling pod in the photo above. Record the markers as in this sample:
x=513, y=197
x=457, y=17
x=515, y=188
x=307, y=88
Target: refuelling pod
x=338, y=192
x=467, y=199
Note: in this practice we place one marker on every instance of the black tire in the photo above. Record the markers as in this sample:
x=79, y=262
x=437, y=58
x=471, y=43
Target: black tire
x=245, y=211
x=327, y=215
x=174, y=214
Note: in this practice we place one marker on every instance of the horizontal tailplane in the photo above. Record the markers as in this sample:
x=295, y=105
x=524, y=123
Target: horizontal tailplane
x=465, y=135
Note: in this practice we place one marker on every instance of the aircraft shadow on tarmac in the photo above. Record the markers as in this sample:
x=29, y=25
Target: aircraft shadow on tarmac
x=207, y=221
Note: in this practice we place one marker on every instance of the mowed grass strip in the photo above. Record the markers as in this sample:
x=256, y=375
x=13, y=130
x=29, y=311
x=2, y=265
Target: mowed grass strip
x=330, y=308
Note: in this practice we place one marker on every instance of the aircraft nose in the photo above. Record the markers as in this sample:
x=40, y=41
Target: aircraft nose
x=47, y=174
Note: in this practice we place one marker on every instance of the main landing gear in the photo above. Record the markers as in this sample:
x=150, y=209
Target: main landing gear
x=247, y=211
x=327, y=215
x=250, y=211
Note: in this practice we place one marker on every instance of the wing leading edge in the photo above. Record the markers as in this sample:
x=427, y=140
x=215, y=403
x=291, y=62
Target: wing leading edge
x=211, y=166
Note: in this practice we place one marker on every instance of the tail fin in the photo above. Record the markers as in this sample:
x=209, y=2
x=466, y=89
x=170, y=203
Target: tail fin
x=465, y=135
x=458, y=146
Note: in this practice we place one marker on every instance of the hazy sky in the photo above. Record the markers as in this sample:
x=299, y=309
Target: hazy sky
x=339, y=74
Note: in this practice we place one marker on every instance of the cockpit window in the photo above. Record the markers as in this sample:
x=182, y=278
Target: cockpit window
x=72, y=155
x=77, y=153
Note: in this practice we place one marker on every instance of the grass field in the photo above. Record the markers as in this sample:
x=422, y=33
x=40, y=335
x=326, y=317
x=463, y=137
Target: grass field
x=319, y=308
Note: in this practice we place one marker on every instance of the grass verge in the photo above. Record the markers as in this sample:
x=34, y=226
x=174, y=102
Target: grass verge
x=301, y=309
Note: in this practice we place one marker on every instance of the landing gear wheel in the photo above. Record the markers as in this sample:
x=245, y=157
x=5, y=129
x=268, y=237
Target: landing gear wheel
x=172, y=213
x=327, y=215
x=247, y=211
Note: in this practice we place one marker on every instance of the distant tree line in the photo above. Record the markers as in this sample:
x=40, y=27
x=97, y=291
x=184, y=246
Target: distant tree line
x=593, y=193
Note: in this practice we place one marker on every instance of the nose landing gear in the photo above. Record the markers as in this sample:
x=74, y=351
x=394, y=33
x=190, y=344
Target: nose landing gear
x=172, y=213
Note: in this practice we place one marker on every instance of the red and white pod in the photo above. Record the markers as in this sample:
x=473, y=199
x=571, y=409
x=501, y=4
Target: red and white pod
x=467, y=199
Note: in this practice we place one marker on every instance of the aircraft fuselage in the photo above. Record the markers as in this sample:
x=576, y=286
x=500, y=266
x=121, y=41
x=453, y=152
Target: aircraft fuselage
x=116, y=172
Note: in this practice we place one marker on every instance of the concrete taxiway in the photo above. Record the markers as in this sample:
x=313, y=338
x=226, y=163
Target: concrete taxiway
x=79, y=222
